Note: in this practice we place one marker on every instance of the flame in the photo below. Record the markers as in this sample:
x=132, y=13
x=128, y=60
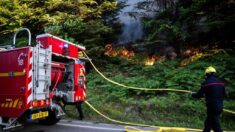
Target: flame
x=109, y=51
x=191, y=52
x=129, y=55
x=126, y=54
x=191, y=55
x=122, y=52
x=150, y=61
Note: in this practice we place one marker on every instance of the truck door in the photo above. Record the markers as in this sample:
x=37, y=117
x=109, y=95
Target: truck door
x=15, y=81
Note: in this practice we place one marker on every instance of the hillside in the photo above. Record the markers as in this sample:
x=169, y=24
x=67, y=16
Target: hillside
x=155, y=107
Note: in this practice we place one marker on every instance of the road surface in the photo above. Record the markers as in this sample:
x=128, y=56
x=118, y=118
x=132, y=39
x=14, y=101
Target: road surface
x=71, y=126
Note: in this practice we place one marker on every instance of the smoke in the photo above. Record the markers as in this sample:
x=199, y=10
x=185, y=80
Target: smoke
x=132, y=28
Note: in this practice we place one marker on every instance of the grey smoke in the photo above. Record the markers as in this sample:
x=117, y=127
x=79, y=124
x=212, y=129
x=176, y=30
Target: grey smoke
x=132, y=29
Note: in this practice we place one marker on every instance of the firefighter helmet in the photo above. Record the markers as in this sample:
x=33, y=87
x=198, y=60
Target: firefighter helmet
x=210, y=69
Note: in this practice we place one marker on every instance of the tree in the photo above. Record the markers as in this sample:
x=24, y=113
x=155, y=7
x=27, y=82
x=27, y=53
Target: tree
x=191, y=22
x=90, y=22
x=94, y=25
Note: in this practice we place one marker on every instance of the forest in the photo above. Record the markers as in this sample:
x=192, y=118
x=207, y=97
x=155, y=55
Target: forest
x=155, y=44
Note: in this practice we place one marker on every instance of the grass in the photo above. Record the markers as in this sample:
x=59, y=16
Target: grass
x=158, y=108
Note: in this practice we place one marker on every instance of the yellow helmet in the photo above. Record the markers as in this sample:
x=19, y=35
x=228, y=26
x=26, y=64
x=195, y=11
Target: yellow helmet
x=210, y=69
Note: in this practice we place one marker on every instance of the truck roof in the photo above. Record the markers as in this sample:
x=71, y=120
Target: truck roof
x=47, y=34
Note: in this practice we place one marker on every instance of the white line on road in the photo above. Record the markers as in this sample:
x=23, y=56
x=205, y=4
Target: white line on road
x=91, y=127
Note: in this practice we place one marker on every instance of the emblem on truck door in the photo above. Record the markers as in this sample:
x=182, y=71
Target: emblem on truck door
x=20, y=59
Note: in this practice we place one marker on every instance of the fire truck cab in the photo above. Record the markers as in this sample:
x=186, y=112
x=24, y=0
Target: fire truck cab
x=36, y=80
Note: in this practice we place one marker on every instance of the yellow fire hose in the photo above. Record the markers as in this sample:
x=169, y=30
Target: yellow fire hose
x=229, y=111
x=133, y=129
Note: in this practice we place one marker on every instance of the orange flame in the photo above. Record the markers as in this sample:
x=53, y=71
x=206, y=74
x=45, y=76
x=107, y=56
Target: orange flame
x=150, y=61
x=123, y=52
x=192, y=54
x=109, y=51
x=126, y=54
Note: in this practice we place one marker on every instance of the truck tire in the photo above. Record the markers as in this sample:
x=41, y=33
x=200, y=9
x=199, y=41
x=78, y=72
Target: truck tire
x=51, y=119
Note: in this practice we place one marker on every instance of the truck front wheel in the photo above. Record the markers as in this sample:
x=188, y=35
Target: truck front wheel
x=51, y=119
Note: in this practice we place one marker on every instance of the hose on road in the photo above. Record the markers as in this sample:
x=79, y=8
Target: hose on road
x=134, y=129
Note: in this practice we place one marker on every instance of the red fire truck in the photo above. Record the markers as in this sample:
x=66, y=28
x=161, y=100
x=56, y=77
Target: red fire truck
x=35, y=79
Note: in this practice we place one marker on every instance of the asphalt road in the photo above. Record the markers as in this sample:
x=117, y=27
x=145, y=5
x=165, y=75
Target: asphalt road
x=71, y=126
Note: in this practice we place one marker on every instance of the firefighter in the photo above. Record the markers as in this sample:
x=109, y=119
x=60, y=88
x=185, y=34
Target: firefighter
x=213, y=90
